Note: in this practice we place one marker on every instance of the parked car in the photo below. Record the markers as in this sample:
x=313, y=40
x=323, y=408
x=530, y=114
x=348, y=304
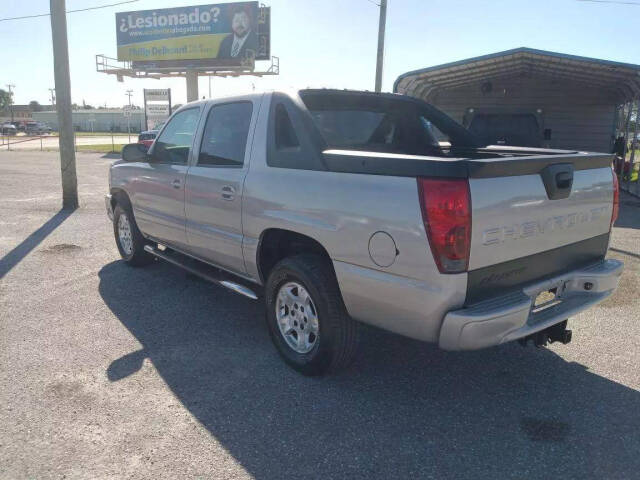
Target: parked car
x=339, y=207
x=147, y=137
x=37, y=128
x=8, y=129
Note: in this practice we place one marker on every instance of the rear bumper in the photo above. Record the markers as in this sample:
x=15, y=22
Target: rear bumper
x=512, y=316
x=107, y=204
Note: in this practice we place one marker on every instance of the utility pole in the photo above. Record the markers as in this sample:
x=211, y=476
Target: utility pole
x=192, y=85
x=52, y=95
x=380, y=59
x=9, y=87
x=128, y=94
x=63, y=104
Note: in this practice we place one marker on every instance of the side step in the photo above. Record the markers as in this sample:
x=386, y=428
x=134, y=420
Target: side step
x=202, y=270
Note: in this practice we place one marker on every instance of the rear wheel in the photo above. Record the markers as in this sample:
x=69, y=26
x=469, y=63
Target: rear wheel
x=306, y=316
x=129, y=239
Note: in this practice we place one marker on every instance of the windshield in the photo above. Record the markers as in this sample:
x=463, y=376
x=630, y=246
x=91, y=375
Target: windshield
x=380, y=123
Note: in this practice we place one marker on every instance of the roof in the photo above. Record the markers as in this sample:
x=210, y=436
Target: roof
x=623, y=78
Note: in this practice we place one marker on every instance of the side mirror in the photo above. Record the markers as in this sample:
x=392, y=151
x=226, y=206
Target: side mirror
x=134, y=152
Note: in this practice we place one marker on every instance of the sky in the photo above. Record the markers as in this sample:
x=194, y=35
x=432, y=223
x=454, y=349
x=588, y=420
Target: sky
x=320, y=43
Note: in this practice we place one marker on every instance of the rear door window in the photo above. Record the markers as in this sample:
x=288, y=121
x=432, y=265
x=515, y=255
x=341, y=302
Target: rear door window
x=225, y=135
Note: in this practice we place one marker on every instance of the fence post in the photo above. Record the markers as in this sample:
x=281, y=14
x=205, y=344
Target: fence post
x=40, y=142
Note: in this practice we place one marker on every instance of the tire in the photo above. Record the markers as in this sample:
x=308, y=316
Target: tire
x=132, y=253
x=334, y=346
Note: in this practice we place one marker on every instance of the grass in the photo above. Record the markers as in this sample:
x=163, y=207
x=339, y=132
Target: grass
x=101, y=148
x=105, y=134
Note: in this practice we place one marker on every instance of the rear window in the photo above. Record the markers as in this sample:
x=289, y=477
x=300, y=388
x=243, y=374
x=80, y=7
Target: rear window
x=369, y=123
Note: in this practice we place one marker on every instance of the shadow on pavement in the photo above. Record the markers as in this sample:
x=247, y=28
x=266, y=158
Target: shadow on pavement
x=16, y=255
x=404, y=409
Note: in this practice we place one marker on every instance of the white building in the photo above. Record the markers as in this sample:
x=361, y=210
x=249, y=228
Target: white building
x=96, y=120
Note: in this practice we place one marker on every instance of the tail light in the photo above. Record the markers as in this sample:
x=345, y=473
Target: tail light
x=446, y=213
x=616, y=198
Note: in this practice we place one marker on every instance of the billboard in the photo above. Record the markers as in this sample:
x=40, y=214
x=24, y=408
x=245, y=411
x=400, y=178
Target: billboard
x=203, y=32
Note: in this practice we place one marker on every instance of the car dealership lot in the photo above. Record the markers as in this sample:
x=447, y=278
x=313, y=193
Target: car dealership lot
x=108, y=371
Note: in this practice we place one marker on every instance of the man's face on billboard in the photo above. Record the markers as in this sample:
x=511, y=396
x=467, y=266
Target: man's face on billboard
x=240, y=24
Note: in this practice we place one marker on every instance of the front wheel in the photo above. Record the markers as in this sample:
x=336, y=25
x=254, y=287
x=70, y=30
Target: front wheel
x=306, y=316
x=129, y=239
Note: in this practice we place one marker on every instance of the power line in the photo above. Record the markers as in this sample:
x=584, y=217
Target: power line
x=68, y=11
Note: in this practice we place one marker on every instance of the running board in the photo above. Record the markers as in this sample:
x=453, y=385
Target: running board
x=202, y=270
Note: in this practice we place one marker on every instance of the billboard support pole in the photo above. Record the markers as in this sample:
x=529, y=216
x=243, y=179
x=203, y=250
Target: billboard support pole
x=66, y=137
x=192, y=85
x=380, y=59
x=144, y=95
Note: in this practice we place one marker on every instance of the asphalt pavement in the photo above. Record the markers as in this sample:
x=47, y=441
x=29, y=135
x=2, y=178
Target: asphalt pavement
x=108, y=371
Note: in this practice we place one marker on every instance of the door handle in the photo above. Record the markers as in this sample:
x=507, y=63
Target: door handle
x=228, y=192
x=176, y=183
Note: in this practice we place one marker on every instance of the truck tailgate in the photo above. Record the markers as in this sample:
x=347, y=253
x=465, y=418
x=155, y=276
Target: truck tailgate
x=518, y=232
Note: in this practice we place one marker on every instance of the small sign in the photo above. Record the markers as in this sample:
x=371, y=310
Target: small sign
x=157, y=95
x=157, y=106
x=127, y=111
x=158, y=110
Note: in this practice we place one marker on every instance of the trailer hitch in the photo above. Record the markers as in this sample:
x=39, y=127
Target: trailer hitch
x=555, y=333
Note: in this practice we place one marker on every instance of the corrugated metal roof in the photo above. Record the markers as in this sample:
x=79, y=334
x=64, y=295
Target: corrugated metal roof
x=622, y=78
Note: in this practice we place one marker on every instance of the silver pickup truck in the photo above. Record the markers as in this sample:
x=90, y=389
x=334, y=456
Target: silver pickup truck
x=339, y=207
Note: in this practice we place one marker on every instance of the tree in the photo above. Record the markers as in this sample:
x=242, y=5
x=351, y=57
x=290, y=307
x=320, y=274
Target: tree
x=5, y=99
x=35, y=106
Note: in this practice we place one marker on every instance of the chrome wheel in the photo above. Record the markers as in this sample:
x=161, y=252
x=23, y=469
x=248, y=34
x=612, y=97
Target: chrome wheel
x=124, y=234
x=297, y=317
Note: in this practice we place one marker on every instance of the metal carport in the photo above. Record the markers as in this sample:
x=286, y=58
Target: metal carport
x=580, y=103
